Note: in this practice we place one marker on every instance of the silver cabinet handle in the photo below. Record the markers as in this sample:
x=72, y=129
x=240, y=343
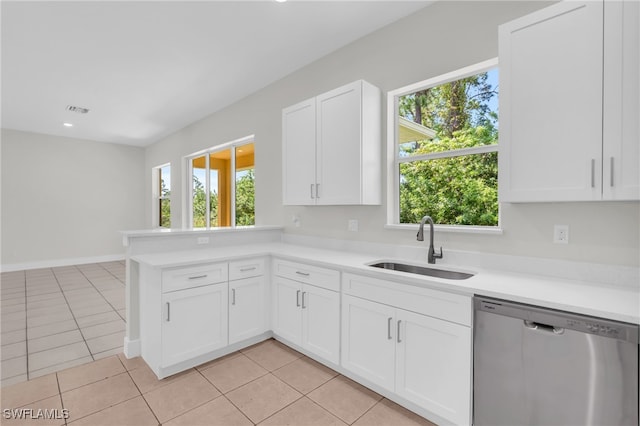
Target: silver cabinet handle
x=317, y=190
x=312, y=191
x=611, y=167
x=304, y=274
x=253, y=268
x=593, y=173
x=389, y=337
x=398, y=335
x=233, y=296
x=197, y=277
x=303, y=293
x=298, y=298
x=168, y=312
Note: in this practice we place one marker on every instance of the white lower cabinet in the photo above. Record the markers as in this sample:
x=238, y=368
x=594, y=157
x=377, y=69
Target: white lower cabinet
x=246, y=308
x=194, y=323
x=305, y=314
x=422, y=359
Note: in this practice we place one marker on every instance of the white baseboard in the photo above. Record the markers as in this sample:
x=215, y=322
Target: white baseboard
x=60, y=262
x=132, y=348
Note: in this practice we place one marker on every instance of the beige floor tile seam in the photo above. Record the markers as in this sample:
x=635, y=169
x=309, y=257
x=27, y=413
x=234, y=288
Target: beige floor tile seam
x=222, y=395
x=99, y=292
x=97, y=381
x=60, y=395
x=74, y=319
x=139, y=390
x=26, y=355
x=245, y=414
x=369, y=409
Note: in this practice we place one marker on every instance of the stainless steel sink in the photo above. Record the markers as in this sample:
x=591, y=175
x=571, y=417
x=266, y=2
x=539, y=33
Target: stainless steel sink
x=422, y=270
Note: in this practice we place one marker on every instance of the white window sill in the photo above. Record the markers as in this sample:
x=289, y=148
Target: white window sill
x=450, y=228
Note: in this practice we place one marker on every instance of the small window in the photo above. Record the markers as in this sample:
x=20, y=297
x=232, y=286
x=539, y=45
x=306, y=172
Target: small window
x=222, y=190
x=445, y=161
x=162, y=196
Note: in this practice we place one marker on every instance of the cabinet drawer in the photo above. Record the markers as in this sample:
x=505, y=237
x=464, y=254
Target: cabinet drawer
x=246, y=268
x=321, y=277
x=435, y=303
x=193, y=276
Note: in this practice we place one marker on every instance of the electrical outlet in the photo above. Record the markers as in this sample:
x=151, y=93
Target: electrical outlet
x=561, y=234
x=203, y=240
x=296, y=220
x=353, y=225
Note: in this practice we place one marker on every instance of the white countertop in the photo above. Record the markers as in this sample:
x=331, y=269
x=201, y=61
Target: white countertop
x=606, y=301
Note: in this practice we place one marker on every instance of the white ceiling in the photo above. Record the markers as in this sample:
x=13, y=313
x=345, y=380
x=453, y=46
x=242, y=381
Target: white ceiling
x=146, y=69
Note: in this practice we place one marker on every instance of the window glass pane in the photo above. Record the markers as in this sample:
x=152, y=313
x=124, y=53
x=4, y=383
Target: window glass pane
x=453, y=191
x=454, y=115
x=220, y=190
x=245, y=185
x=164, y=191
x=199, y=196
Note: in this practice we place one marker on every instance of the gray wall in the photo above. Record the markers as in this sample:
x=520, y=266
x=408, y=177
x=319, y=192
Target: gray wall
x=440, y=38
x=66, y=199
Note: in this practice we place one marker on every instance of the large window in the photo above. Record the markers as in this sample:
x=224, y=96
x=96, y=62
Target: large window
x=222, y=186
x=445, y=155
x=162, y=196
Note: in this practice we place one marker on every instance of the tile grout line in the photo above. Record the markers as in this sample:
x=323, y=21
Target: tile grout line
x=100, y=293
x=73, y=316
x=60, y=394
x=140, y=391
x=224, y=395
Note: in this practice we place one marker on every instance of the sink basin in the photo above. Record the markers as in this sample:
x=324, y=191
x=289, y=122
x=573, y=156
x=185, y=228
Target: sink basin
x=422, y=270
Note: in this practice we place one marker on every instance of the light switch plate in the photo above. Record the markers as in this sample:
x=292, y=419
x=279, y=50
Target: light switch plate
x=203, y=240
x=353, y=225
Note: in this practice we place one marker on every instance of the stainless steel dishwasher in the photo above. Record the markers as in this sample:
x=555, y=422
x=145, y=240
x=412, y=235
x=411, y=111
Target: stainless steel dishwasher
x=537, y=366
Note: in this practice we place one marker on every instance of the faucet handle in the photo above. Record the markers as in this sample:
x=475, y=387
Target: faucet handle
x=438, y=255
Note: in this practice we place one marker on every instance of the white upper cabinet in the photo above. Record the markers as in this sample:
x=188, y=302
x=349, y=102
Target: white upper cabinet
x=621, y=149
x=331, y=148
x=299, y=153
x=552, y=79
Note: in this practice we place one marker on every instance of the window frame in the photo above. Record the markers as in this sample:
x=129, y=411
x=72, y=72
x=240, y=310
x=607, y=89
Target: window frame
x=188, y=199
x=156, y=195
x=394, y=160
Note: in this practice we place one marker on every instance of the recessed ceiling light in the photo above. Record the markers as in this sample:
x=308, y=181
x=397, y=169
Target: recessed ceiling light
x=67, y=124
x=281, y=1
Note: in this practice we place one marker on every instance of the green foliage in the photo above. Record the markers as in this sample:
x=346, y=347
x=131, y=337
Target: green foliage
x=165, y=206
x=459, y=190
x=245, y=199
x=200, y=205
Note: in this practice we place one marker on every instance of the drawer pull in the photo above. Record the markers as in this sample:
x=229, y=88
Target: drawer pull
x=303, y=293
x=398, y=335
x=168, y=312
x=233, y=296
x=389, y=337
x=298, y=298
x=197, y=277
x=304, y=274
x=253, y=268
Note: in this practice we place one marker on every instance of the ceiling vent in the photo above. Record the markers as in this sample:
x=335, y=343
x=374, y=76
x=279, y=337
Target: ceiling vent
x=77, y=109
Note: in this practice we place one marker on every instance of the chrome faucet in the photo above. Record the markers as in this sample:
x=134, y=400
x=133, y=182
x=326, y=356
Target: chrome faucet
x=432, y=256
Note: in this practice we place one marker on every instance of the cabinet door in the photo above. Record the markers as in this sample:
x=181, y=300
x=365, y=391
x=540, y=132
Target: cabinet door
x=298, y=153
x=368, y=340
x=551, y=104
x=246, y=308
x=339, y=145
x=621, y=148
x=194, y=322
x=286, y=315
x=433, y=365
x=321, y=322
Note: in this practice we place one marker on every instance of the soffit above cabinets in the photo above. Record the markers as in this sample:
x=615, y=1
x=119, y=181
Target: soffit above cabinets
x=147, y=69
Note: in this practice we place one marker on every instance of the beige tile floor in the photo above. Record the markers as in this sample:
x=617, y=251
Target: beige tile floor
x=62, y=337
x=266, y=384
x=55, y=318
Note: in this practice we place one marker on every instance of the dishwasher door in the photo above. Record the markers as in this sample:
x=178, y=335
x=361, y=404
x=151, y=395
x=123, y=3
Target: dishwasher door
x=535, y=366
